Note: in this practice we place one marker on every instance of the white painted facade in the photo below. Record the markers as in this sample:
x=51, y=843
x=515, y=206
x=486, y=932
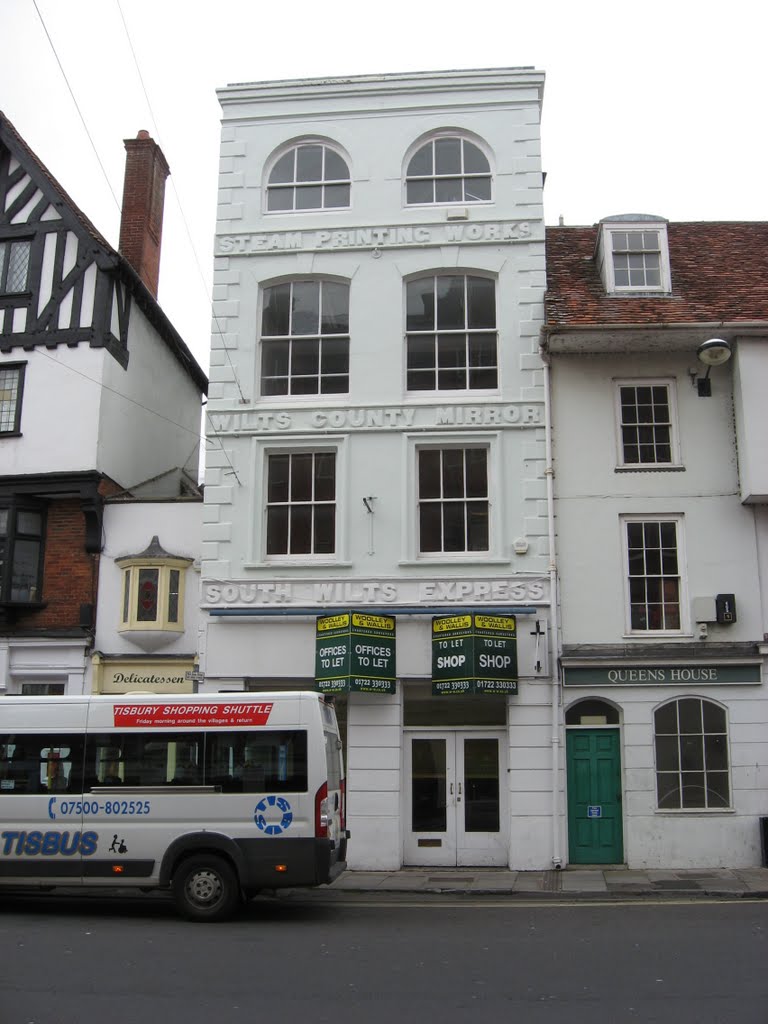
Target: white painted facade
x=259, y=610
x=712, y=491
x=126, y=660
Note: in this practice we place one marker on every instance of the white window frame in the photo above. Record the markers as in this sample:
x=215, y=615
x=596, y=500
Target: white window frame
x=257, y=556
x=610, y=232
x=292, y=338
x=682, y=598
x=414, y=444
x=290, y=147
x=466, y=331
x=674, y=437
x=690, y=809
x=430, y=140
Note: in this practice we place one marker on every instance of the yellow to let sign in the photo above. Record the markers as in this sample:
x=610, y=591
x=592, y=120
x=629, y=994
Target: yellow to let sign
x=495, y=622
x=332, y=622
x=454, y=622
x=373, y=621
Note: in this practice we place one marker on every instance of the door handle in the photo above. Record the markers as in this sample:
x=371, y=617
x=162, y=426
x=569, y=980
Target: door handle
x=458, y=799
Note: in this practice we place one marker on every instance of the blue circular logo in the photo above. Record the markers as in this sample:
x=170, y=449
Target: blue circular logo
x=265, y=810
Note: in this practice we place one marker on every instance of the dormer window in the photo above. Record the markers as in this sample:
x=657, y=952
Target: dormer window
x=153, y=596
x=633, y=256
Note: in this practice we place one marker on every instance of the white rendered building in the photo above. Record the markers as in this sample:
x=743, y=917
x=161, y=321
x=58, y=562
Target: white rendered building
x=377, y=442
x=656, y=338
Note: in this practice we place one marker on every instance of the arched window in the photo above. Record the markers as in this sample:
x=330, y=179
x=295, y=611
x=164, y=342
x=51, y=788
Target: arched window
x=691, y=741
x=451, y=333
x=305, y=338
x=448, y=169
x=310, y=176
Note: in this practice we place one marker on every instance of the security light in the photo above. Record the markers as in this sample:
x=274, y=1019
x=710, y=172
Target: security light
x=714, y=352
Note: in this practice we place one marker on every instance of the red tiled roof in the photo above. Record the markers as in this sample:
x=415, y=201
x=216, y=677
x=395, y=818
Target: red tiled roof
x=719, y=274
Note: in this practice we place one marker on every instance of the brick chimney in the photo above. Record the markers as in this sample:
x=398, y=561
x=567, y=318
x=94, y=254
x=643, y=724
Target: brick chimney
x=141, y=225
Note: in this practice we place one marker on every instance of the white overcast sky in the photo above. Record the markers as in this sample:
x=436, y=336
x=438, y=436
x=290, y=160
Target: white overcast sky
x=650, y=107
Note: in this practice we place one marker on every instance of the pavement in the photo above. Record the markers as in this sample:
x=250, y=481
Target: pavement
x=601, y=883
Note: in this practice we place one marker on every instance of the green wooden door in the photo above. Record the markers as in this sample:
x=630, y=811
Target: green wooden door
x=594, y=797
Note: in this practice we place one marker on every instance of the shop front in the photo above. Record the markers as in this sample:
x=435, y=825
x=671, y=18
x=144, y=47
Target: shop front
x=663, y=760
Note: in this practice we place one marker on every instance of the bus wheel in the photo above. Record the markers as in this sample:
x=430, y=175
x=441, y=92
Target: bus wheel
x=205, y=888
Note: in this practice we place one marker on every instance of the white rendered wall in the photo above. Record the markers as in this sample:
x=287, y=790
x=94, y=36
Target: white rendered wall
x=377, y=123
x=128, y=529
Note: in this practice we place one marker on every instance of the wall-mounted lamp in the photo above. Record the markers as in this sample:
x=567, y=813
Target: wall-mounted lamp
x=714, y=352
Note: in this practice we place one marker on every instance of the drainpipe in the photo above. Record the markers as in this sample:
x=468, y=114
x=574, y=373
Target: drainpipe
x=557, y=859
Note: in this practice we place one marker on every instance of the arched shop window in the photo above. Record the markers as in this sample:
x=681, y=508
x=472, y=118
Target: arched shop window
x=691, y=741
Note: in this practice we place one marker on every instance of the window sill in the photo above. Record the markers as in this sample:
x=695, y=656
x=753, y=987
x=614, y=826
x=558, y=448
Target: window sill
x=649, y=467
x=307, y=563
x=659, y=634
x=708, y=811
x=454, y=560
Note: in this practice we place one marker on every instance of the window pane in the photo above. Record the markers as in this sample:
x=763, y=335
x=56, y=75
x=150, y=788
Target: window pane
x=30, y=523
x=274, y=358
x=335, y=196
x=454, y=526
x=429, y=474
x=325, y=527
x=714, y=717
x=453, y=473
x=277, y=530
x=420, y=192
x=481, y=302
x=301, y=477
x=421, y=352
x=146, y=609
x=449, y=190
x=716, y=753
x=305, y=358
x=280, y=199
x=477, y=189
x=334, y=356
x=335, y=168
x=18, y=266
x=305, y=307
x=477, y=473
x=430, y=527
x=283, y=171
x=694, y=789
x=690, y=715
x=335, y=303
x=667, y=754
x=448, y=156
x=173, y=595
x=420, y=315
x=277, y=487
x=300, y=539
x=450, y=303
x=477, y=526
x=25, y=570
x=718, y=793
x=10, y=384
x=421, y=162
x=325, y=477
x=474, y=160
x=309, y=197
x=668, y=790
x=275, y=319
x=309, y=163
x=691, y=753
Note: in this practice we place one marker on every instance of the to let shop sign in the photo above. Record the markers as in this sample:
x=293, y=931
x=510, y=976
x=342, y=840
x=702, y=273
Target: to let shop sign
x=474, y=654
x=355, y=651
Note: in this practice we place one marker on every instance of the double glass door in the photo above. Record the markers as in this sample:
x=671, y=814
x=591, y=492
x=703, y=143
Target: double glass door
x=455, y=800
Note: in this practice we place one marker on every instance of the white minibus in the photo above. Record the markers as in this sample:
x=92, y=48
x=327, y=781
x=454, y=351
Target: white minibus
x=214, y=797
